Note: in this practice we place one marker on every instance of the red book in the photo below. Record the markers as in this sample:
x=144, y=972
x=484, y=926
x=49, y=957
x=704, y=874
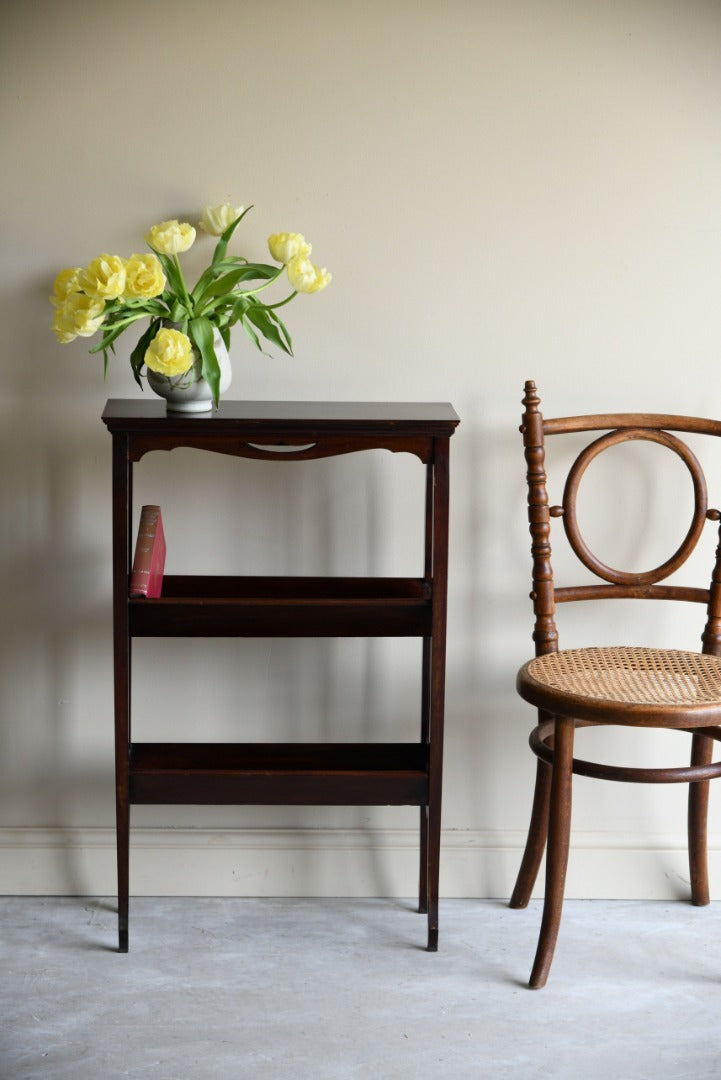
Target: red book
x=146, y=577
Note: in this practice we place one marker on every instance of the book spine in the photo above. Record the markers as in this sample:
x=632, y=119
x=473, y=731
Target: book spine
x=146, y=576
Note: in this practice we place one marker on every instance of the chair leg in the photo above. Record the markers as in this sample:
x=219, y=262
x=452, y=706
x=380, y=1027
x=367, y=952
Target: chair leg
x=536, y=842
x=559, y=831
x=701, y=754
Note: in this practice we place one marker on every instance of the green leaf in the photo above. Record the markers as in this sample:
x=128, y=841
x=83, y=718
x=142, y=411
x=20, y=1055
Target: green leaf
x=203, y=281
x=105, y=361
x=238, y=310
x=137, y=356
x=245, y=270
x=173, y=274
x=265, y=270
x=209, y=275
x=228, y=263
x=223, y=285
x=221, y=246
x=268, y=326
x=283, y=330
x=200, y=331
x=166, y=262
x=251, y=333
x=113, y=330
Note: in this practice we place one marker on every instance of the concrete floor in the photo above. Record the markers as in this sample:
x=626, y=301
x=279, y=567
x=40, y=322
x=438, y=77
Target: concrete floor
x=336, y=989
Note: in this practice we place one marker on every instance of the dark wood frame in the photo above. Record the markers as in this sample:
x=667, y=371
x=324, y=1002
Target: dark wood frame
x=242, y=773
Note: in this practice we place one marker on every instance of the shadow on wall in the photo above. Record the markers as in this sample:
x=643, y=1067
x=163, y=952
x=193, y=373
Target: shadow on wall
x=55, y=635
x=56, y=698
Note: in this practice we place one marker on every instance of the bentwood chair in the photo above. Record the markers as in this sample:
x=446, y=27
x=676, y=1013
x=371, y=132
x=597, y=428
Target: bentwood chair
x=630, y=686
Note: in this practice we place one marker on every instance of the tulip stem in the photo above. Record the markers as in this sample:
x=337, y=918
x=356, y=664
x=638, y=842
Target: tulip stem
x=115, y=327
x=282, y=303
x=252, y=292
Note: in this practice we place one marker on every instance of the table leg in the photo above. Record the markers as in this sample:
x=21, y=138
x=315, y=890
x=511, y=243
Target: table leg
x=122, y=518
x=437, y=663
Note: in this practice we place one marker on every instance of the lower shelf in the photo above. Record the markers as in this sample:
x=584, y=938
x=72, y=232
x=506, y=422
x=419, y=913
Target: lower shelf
x=308, y=774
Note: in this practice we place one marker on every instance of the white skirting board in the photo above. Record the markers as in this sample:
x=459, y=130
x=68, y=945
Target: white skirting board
x=330, y=862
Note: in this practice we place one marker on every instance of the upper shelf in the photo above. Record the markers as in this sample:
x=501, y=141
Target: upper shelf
x=289, y=429
x=330, y=416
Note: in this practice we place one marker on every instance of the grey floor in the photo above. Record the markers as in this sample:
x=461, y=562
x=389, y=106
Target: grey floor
x=314, y=989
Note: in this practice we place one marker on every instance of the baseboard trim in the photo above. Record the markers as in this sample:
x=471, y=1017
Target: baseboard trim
x=330, y=862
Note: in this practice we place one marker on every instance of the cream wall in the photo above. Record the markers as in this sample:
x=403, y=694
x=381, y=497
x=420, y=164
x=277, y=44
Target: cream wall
x=502, y=191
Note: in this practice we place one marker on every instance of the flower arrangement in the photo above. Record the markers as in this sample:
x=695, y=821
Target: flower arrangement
x=111, y=294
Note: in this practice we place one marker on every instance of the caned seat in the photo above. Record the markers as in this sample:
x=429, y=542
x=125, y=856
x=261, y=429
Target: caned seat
x=626, y=685
x=600, y=683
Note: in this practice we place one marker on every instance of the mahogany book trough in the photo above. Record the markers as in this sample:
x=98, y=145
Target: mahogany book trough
x=356, y=774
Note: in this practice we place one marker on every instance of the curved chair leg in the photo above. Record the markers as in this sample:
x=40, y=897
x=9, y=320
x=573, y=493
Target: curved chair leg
x=701, y=754
x=536, y=842
x=559, y=831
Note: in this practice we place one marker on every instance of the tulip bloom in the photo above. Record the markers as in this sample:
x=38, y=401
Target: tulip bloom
x=78, y=316
x=216, y=219
x=306, y=277
x=104, y=278
x=144, y=277
x=171, y=237
x=169, y=353
x=288, y=245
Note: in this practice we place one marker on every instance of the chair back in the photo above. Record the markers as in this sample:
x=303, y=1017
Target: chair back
x=611, y=583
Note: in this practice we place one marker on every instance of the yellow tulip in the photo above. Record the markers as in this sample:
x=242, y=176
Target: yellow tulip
x=104, y=278
x=171, y=237
x=78, y=316
x=305, y=277
x=216, y=219
x=169, y=353
x=67, y=282
x=63, y=327
x=285, y=246
x=144, y=277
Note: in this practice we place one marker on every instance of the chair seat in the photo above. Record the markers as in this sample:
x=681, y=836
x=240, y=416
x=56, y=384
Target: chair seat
x=627, y=685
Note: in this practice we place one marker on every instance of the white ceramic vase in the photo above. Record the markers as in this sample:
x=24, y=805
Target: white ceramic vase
x=190, y=393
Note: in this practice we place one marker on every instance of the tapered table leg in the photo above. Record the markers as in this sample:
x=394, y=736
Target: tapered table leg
x=423, y=874
x=122, y=512
x=425, y=736
x=123, y=885
x=122, y=839
x=439, y=492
